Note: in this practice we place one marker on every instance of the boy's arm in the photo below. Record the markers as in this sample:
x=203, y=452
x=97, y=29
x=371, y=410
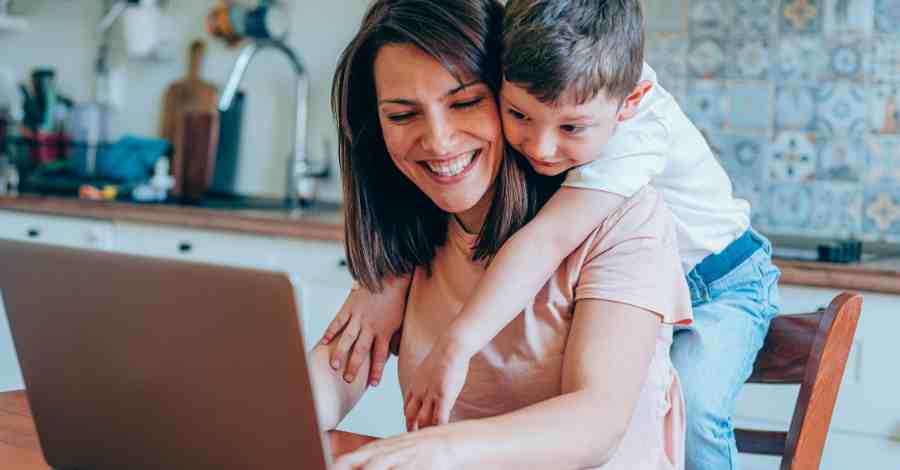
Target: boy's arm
x=366, y=323
x=524, y=264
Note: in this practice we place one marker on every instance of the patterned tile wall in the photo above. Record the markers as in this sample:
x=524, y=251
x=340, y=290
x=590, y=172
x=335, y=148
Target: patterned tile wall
x=800, y=99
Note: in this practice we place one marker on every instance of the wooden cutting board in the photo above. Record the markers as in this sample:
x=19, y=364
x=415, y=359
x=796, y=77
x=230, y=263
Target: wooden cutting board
x=189, y=94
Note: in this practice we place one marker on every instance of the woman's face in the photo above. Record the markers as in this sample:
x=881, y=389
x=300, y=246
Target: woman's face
x=443, y=135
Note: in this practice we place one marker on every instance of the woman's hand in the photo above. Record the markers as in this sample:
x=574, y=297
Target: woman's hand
x=435, y=386
x=368, y=321
x=430, y=449
x=343, y=442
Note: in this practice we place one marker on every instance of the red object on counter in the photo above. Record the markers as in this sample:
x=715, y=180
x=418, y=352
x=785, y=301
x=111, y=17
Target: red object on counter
x=46, y=147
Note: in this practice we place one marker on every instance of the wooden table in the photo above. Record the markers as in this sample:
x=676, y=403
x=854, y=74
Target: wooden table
x=19, y=446
x=21, y=450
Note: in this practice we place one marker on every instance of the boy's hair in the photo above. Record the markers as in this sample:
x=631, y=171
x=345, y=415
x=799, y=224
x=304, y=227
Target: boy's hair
x=571, y=50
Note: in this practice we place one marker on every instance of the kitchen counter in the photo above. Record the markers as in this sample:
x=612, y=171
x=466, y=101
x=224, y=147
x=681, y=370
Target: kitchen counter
x=322, y=222
x=325, y=223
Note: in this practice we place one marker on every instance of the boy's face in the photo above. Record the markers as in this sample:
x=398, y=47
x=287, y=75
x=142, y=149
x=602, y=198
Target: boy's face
x=555, y=138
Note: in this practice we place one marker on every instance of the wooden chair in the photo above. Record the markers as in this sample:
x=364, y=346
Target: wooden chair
x=809, y=349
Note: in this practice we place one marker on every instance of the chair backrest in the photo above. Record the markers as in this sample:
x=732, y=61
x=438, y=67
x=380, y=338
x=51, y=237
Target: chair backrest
x=809, y=349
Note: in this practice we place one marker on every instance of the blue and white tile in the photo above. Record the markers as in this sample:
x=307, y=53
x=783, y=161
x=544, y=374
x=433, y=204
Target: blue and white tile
x=750, y=105
x=881, y=212
x=707, y=57
x=884, y=108
x=665, y=15
x=751, y=58
x=841, y=159
x=755, y=18
x=800, y=16
x=837, y=208
x=711, y=16
x=800, y=58
x=882, y=164
x=743, y=156
x=754, y=192
x=848, y=58
x=792, y=156
x=843, y=16
x=795, y=107
x=707, y=104
x=887, y=16
x=885, y=62
x=790, y=208
x=667, y=54
x=842, y=110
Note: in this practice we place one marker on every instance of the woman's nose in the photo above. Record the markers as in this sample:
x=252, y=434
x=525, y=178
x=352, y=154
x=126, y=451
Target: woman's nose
x=438, y=136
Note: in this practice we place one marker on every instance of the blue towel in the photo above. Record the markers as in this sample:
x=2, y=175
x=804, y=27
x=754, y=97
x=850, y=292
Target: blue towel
x=130, y=160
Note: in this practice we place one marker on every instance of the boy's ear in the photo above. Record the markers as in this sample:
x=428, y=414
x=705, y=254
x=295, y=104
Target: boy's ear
x=633, y=100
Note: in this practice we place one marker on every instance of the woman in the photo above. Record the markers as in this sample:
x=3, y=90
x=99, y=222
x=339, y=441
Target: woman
x=582, y=378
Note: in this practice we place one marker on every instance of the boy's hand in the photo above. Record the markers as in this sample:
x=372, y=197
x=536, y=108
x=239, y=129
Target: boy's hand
x=368, y=321
x=435, y=386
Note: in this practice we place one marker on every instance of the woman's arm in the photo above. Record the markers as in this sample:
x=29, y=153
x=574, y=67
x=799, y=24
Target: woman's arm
x=601, y=383
x=334, y=396
x=581, y=428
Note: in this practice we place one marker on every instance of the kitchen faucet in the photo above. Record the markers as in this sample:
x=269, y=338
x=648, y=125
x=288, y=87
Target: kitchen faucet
x=301, y=176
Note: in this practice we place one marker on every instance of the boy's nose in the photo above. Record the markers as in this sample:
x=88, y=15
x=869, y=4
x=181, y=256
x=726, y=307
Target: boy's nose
x=541, y=148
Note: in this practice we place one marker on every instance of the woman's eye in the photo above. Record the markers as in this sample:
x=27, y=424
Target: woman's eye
x=467, y=104
x=572, y=129
x=400, y=117
x=515, y=114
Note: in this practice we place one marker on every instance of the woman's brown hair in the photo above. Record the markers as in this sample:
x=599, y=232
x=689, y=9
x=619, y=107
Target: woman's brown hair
x=391, y=226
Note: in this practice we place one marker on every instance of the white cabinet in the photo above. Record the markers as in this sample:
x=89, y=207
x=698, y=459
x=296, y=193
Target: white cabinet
x=56, y=230
x=10, y=374
x=865, y=428
x=312, y=260
x=208, y=246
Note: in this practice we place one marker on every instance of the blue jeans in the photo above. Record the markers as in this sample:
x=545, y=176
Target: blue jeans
x=733, y=305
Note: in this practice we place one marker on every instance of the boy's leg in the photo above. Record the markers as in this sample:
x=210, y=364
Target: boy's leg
x=714, y=357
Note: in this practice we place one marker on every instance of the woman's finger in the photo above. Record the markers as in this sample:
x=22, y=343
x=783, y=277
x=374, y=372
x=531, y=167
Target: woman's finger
x=411, y=412
x=379, y=359
x=348, y=337
x=441, y=411
x=361, y=351
x=424, y=419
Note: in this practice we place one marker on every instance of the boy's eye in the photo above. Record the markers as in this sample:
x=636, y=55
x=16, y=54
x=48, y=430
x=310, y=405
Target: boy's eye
x=467, y=104
x=573, y=129
x=515, y=114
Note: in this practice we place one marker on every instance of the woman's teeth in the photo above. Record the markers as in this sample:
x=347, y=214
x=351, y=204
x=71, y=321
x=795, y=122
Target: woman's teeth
x=451, y=167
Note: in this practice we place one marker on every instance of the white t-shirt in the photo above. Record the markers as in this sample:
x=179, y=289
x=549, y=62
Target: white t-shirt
x=660, y=146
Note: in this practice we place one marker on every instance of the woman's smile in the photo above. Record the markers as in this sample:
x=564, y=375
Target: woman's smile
x=453, y=169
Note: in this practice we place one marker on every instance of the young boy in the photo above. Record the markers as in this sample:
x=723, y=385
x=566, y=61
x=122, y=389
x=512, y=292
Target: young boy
x=578, y=98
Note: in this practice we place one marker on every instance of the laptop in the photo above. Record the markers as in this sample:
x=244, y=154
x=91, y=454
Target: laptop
x=146, y=363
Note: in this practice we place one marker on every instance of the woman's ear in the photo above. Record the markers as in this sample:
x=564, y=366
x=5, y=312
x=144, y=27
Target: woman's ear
x=633, y=100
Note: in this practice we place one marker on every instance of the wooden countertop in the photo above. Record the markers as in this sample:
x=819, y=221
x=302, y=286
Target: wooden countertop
x=326, y=224
x=323, y=223
x=19, y=445
x=20, y=448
